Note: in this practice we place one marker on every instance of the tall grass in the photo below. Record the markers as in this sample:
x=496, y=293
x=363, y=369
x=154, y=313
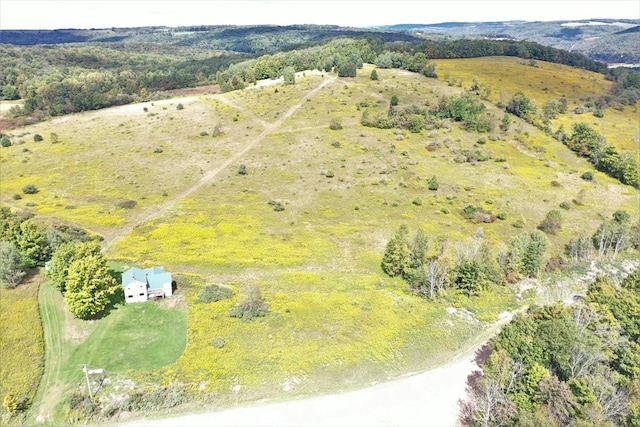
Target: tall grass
x=21, y=343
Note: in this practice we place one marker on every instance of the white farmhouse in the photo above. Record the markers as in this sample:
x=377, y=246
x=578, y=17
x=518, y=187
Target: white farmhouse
x=142, y=284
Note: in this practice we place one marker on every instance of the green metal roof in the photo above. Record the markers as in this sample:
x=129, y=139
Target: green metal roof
x=154, y=277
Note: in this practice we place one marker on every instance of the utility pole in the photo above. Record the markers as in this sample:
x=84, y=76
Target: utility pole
x=86, y=375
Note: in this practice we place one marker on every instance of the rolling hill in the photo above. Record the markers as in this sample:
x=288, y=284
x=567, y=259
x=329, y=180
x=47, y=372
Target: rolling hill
x=160, y=181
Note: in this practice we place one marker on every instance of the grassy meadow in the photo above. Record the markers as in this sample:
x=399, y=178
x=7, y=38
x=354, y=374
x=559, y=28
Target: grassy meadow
x=336, y=320
x=549, y=82
x=21, y=342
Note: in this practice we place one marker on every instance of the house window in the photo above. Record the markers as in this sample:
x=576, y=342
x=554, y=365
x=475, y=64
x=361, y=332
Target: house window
x=141, y=294
x=129, y=296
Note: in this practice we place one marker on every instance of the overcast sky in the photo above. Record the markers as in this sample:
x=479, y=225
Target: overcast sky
x=55, y=14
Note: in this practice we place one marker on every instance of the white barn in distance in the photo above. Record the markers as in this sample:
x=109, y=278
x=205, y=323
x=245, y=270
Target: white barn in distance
x=140, y=285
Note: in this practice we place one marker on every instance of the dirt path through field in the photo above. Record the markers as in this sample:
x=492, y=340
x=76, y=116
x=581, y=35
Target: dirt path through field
x=159, y=210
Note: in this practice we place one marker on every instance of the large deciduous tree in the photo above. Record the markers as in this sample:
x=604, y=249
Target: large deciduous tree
x=89, y=286
x=64, y=256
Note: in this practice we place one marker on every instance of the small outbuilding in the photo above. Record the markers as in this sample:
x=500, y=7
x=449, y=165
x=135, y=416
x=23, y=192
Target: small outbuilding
x=140, y=285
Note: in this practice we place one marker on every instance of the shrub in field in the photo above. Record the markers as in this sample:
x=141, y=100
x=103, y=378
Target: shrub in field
x=214, y=293
x=433, y=183
x=217, y=131
x=5, y=142
x=37, y=137
x=242, y=169
x=587, y=176
x=127, y=204
x=552, y=224
x=218, y=342
x=179, y=107
x=335, y=124
x=157, y=397
x=277, y=205
x=477, y=214
x=30, y=189
x=520, y=105
x=252, y=306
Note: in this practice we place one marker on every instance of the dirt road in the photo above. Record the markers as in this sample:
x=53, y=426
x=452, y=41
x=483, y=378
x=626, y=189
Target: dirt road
x=426, y=399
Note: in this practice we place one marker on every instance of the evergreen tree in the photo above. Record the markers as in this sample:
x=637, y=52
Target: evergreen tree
x=33, y=244
x=469, y=277
x=552, y=224
x=11, y=272
x=397, y=257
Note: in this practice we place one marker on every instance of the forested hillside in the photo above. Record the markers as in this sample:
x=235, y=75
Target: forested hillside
x=52, y=80
x=607, y=40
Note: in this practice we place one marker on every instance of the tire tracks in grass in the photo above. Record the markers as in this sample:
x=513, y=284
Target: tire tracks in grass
x=157, y=211
x=41, y=410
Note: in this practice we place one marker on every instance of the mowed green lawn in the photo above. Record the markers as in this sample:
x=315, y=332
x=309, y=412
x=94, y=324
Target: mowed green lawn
x=142, y=337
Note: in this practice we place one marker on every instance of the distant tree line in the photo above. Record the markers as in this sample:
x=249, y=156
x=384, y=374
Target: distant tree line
x=55, y=80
